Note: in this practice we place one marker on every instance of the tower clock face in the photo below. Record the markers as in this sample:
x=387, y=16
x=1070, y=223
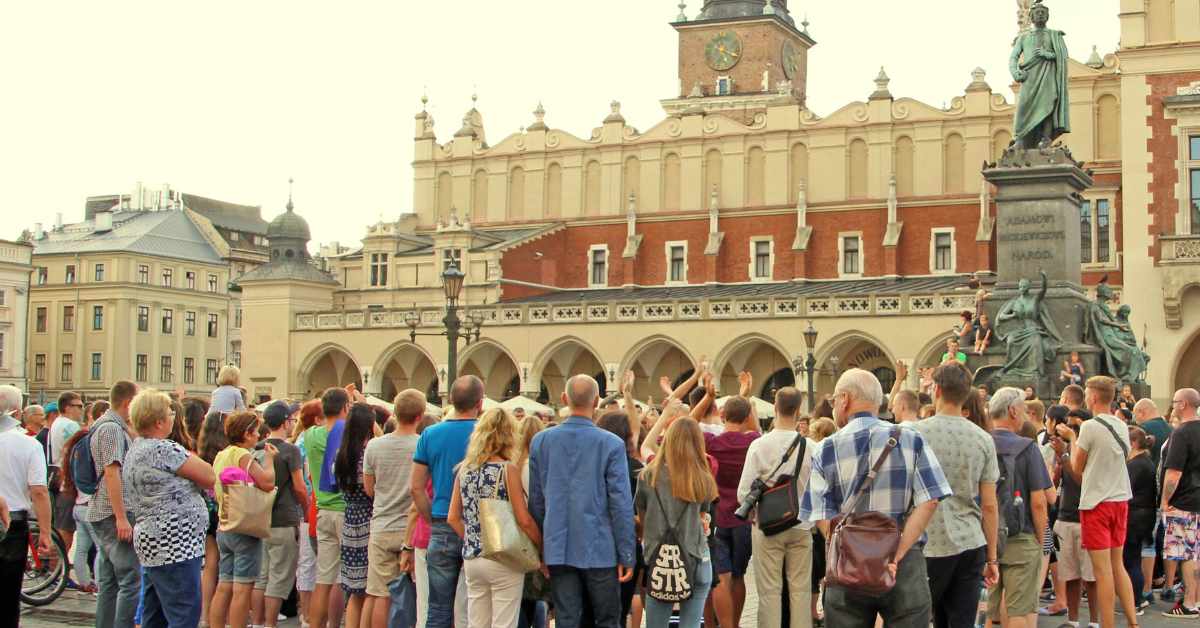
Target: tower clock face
x=723, y=51
x=791, y=60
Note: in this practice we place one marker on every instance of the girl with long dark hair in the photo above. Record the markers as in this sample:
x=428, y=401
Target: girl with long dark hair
x=210, y=440
x=356, y=531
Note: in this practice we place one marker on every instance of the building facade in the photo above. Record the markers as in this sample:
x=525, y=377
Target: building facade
x=139, y=290
x=727, y=227
x=15, y=269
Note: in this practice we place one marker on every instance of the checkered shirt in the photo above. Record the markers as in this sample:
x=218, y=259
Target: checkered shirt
x=909, y=477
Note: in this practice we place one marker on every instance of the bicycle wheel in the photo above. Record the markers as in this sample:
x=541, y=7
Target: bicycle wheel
x=45, y=573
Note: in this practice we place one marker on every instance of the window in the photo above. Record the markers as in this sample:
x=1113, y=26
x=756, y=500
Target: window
x=97, y=367
x=212, y=283
x=143, y=318
x=42, y=275
x=190, y=278
x=70, y=273
x=762, y=262
x=1095, y=231
x=168, y=277
x=68, y=366
x=40, y=324
x=237, y=359
x=452, y=257
x=1102, y=231
x=212, y=325
x=676, y=262
x=39, y=367
x=1085, y=232
x=210, y=373
x=942, y=251
x=237, y=318
x=165, y=374
x=598, y=263
x=379, y=269
x=143, y=274
x=142, y=366
x=99, y=270
x=97, y=317
x=724, y=86
x=3, y=296
x=189, y=323
x=1, y=350
x=189, y=370
x=68, y=318
x=234, y=236
x=850, y=262
x=168, y=321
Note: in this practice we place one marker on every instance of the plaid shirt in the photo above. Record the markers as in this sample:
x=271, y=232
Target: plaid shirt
x=909, y=477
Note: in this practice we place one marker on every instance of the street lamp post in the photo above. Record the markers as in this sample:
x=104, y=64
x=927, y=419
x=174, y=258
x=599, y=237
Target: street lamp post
x=469, y=328
x=810, y=364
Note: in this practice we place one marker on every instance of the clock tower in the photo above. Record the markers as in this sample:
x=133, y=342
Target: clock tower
x=739, y=55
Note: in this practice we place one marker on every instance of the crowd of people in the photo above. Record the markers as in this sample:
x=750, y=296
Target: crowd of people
x=187, y=512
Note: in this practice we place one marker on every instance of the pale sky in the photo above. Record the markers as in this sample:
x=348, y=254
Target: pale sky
x=227, y=99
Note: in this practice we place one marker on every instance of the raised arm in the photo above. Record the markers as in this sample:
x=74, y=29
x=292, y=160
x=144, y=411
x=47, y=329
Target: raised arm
x=631, y=408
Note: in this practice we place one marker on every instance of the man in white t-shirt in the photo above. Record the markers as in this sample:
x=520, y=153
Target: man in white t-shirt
x=23, y=487
x=70, y=418
x=1098, y=463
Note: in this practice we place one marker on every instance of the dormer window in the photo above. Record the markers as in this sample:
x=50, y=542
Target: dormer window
x=724, y=86
x=452, y=257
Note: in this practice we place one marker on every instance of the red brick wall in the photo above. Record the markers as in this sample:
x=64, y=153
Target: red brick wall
x=762, y=49
x=1164, y=151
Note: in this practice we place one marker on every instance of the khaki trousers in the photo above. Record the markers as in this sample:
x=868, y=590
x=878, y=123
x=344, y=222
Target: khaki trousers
x=790, y=550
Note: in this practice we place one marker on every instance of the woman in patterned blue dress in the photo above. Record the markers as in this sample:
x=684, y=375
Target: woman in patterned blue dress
x=356, y=532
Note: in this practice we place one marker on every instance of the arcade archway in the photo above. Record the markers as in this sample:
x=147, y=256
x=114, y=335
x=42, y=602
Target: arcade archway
x=327, y=367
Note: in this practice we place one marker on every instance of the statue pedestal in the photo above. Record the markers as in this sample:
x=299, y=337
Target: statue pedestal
x=1037, y=230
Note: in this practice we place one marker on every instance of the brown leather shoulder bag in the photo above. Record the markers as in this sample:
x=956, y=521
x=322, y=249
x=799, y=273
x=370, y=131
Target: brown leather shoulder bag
x=862, y=544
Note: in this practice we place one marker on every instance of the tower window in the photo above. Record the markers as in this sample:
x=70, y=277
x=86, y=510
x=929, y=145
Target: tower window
x=724, y=86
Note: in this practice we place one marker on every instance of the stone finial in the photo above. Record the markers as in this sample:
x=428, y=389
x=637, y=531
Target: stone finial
x=769, y=8
x=881, y=86
x=631, y=216
x=539, y=116
x=802, y=203
x=1095, y=61
x=290, y=207
x=682, y=17
x=697, y=91
x=424, y=101
x=979, y=81
x=893, y=203
x=615, y=116
x=804, y=24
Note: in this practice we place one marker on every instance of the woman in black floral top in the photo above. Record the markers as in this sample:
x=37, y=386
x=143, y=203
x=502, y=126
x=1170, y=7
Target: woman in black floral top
x=162, y=489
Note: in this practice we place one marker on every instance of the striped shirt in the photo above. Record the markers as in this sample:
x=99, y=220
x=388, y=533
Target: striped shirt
x=910, y=476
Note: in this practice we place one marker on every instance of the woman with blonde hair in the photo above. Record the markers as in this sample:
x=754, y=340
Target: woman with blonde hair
x=163, y=482
x=676, y=493
x=228, y=397
x=821, y=429
x=489, y=471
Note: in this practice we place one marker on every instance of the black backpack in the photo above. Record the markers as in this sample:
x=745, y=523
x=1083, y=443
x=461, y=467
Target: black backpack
x=1012, y=516
x=670, y=568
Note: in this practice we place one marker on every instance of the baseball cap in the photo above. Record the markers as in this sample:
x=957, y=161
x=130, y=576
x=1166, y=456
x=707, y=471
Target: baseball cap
x=278, y=412
x=51, y=407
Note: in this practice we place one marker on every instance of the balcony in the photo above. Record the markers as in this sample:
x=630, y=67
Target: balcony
x=1180, y=249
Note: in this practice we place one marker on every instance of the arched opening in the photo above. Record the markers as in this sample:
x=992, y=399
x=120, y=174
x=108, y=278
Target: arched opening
x=479, y=196
x=856, y=186
x=405, y=366
x=554, y=190
x=632, y=175
x=854, y=350
x=1108, y=128
x=1000, y=141
x=516, y=194
x=493, y=364
x=756, y=177
x=652, y=360
x=591, y=184
x=329, y=367
x=798, y=168
x=904, y=166
x=671, y=174
x=952, y=164
x=763, y=359
x=712, y=175
x=1187, y=365
x=565, y=360
x=445, y=196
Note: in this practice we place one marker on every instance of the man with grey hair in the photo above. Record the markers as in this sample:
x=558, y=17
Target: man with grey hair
x=1021, y=494
x=580, y=496
x=909, y=476
x=23, y=490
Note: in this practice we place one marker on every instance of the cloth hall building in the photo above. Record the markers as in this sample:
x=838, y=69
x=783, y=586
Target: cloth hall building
x=737, y=219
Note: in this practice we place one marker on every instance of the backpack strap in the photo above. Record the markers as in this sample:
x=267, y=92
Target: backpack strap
x=1120, y=443
x=674, y=529
x=853, y=504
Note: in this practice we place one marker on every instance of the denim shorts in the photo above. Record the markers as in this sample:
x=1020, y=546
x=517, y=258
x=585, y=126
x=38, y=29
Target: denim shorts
x=731, y=550
x=241, y=557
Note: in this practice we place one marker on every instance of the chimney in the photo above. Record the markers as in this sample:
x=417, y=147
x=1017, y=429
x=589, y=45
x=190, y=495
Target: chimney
x=58, y=225
x=38, y=234
x=104, y=222
x=139, y=195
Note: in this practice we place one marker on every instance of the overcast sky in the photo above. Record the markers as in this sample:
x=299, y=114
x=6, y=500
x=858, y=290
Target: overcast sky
x=229, y=99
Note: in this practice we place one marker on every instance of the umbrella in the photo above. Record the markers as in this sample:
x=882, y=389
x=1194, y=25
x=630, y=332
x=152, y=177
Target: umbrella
x=762, y=409
x=530, y=406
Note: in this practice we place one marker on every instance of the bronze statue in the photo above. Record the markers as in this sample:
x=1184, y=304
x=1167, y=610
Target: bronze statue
x=1123, y=359
x=1029, y=332
x=1039, y=64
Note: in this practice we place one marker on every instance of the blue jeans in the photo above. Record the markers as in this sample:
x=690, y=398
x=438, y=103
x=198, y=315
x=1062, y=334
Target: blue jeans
x=569, y=586
x=117, y=576
x=403, y=610
x=240, y=557
x=533, y=614
x=691, y=611
x=443, y=562
x=173, y=595
x=85, y=539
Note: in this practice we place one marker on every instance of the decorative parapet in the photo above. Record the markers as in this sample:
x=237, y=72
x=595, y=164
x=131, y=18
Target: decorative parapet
x=654, y=312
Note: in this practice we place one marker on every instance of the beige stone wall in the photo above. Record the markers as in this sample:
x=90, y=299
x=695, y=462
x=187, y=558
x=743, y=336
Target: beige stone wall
x=15, y=270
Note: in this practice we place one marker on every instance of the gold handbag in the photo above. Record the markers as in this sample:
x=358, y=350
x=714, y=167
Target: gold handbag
x=246, y=510
x=502, y=539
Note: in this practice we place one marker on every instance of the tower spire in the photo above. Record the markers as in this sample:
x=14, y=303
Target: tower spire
x=290, y=207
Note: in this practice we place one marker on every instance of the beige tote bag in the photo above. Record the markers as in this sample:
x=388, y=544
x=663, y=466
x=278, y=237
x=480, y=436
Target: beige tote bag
x=246, y=510
x=503, y=540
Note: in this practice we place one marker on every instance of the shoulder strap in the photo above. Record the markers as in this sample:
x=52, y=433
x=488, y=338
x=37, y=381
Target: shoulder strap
x=672, y=528
x=787, y=454
x=893, y=440
x=1120, y=443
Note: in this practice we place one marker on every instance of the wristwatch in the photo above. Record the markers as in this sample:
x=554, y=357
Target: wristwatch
x=406, y=549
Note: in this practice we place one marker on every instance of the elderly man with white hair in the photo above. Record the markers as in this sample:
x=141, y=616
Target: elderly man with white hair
x=1022, y=521
x=907, y=488
x=22, y=490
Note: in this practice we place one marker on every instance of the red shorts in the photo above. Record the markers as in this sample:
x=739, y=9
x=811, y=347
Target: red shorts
x=1104, y=526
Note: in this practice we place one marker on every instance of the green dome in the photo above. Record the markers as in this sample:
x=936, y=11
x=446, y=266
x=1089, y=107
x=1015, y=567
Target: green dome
x=288, y=225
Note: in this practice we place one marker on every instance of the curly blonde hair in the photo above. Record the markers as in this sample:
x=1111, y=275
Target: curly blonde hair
x=495, y=435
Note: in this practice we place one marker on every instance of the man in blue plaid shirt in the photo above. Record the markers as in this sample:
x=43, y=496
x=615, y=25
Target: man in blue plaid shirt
x=908, y=488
